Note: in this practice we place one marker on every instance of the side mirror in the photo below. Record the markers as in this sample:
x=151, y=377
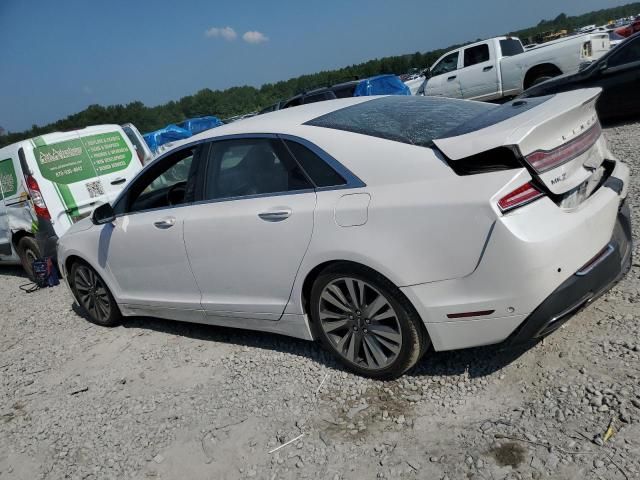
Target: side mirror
x=103, y=214
x=427, y=73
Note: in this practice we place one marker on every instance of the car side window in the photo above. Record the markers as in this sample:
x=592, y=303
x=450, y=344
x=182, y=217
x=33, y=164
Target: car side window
x=168, y=182
x=446, y=65
x=627, y=54
x=247, y=167
x=321, y=173
x=475, y=55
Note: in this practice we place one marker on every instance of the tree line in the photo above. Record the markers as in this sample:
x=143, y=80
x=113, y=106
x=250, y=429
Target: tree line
x=245, y=99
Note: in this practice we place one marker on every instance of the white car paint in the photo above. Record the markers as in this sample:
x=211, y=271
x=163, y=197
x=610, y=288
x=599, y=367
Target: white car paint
x=503, y=75
x=438, y=236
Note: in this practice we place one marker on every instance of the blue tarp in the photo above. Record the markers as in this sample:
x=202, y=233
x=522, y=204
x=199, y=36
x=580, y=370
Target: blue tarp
x=200, y=124
x=381, y=85
x=170, y=133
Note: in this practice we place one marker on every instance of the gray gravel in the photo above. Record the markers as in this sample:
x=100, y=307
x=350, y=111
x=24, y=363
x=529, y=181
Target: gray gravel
x=162, y=400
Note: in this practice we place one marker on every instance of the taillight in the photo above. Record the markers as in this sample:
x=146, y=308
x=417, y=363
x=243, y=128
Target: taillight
x=587, y=50
x=36, y=197
x=543, y=160
x=519, y=197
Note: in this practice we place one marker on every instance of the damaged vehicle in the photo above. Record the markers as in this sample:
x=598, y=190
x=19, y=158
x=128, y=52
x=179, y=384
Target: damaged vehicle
x=382, y=227
x=48, y=183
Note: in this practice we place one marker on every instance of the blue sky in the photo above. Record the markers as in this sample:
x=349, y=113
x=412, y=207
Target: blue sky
x=59, y=57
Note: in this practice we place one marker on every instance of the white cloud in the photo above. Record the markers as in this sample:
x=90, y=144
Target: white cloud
x=255, y=37
x=227, y=33
x=87, y=90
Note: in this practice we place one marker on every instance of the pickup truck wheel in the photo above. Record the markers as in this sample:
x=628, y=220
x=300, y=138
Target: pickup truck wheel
x=541, y=79
x=28, y=251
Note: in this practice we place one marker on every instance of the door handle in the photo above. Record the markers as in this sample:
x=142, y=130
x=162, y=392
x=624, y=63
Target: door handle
x=276, y=215
x=452, y=77
x=486, y=69
x=165, y=223
x=118, y=181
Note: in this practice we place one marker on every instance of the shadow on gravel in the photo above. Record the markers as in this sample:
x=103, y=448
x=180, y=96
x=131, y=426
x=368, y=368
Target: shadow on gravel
x=479, y=362
x=12, y=271
x=619, y=122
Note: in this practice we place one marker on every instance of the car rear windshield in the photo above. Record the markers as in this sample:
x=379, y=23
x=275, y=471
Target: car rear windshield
x=420, y=120
x=511, y=47
x=412, y=120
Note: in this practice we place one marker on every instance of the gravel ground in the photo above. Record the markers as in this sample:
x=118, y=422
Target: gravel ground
x=156, y=399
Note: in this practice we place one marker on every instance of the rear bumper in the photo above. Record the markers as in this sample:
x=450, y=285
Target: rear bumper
x=583, y=287
x=526, y=274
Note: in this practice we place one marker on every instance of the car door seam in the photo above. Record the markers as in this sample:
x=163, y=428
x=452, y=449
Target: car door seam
x=304, y=255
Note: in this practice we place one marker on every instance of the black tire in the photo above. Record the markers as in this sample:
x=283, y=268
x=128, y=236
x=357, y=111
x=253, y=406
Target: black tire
x=93, y=296
x=414, y=338
x=541, y=79
x=28, y=251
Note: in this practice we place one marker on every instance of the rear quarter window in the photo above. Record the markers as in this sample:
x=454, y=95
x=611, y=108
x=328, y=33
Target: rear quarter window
x=511, y=47
x=317, y=169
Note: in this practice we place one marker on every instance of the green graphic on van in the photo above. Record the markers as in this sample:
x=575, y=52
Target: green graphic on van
x=83, y=158
x=8, y=179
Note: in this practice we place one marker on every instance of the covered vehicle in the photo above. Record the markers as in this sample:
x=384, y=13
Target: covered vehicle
x=386, y=84
x=617, y=73
x=381, y=85
x=382, y=227
x=200, y=124
x=171, y=133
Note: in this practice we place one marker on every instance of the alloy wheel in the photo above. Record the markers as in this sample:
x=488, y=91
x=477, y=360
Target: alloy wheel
x=360, y=323
x=92, y=293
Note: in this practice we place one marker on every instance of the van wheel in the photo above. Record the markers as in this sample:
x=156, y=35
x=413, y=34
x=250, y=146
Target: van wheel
x=94, y=298
x=28, y=251
x=365, y=321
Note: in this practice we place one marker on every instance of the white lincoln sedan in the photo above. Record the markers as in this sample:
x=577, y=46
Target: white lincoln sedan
x=382, y=227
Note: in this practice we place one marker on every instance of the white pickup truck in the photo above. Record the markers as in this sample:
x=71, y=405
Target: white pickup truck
x=500, y=67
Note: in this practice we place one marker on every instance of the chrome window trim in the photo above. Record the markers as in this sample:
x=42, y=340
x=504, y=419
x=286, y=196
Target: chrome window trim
x=352, y=181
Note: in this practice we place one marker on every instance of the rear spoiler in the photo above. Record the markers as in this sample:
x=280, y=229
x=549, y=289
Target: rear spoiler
x=515, y=130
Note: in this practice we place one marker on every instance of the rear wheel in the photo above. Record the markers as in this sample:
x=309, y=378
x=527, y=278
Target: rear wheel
x=541, y=79
x=28, y=251
x=366, y=322
x=93, y=296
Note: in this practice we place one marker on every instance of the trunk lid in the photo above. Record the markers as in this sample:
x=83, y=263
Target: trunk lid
x=560, y=138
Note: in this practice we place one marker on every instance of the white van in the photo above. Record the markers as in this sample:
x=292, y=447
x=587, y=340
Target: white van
x=47, y=183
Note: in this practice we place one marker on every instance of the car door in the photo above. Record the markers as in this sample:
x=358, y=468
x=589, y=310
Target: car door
x=7, y=179
x=248, y=236
x=478, y=76
x=144, y=247
x=444, y=80
x=620, y=81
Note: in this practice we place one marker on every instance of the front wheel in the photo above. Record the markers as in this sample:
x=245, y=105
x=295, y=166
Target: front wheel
x=94, y=298
x=366, y=322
